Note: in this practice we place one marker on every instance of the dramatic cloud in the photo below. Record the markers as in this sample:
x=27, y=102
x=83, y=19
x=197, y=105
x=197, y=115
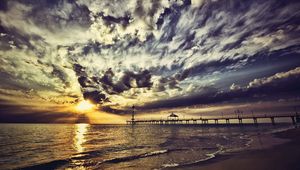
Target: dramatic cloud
x=285, y=78
x=153, y=54
x=268, y=87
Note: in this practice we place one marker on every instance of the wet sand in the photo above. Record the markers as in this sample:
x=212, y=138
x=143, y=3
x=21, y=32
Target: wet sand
x=284, y=156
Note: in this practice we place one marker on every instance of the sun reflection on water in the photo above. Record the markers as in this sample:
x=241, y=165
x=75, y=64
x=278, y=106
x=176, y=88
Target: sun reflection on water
x=79, y=139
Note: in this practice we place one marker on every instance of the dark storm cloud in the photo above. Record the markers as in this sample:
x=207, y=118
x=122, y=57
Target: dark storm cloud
x=107, y=77
x=171, y=82
x=83, y=78
x=89, y=86
x=95, y=96
x=86, y=82
x=142, y=79
x=127, y=81
x=116, y=111
x=92, y=48
x=58, y=14
x=79, y=70
x=280, y=84
x=3, y=5
x=183, y=75
x=124, y=21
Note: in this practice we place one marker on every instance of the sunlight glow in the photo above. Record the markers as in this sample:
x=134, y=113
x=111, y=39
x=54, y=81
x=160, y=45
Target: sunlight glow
x=79, y=138
x=85, y=106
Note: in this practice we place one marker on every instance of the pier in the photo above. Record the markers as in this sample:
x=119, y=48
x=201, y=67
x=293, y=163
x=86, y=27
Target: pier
x=273, y=119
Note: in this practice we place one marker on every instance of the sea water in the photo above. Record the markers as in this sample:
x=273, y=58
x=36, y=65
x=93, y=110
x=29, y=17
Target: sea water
x=84, y=146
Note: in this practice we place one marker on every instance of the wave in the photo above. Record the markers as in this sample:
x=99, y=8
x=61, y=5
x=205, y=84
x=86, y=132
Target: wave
x=59, y=163
x=281, y=129
x=133, y=157
x=96, y=153
x=48, y=166
x=80, y=156
x=209, y=148
x=209, y=157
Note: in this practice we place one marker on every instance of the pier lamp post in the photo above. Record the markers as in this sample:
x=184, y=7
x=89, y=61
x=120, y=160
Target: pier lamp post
x=132, y=115
x=237, y=113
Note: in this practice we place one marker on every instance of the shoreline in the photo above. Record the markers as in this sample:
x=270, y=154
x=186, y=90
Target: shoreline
x=282, y=154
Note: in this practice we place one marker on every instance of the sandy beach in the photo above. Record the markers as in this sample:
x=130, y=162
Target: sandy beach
x=284, y=156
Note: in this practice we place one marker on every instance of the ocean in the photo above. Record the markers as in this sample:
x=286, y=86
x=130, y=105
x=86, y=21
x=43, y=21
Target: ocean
x=84, y=146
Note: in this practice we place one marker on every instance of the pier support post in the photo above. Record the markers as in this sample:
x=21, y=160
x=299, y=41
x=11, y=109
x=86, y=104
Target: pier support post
x=293, y=120
x=255, y=120
x=216, y=121
x=227, y=121
x=240, y=121
x=273, y=120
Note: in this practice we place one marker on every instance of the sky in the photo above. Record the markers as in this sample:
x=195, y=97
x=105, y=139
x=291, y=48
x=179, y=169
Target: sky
x=192, y=57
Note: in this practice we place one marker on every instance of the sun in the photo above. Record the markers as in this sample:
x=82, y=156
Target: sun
x=85, y=105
